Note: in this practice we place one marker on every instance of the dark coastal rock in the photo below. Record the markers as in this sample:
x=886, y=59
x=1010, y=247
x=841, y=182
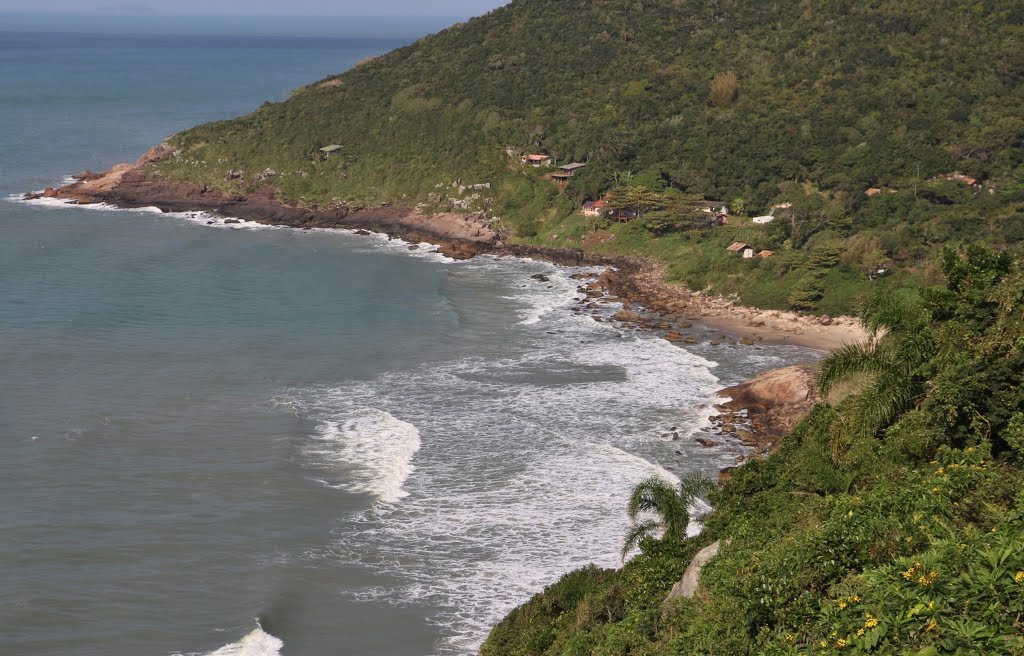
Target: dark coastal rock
x=627, y=315
x=747, y=438
x=231, y=221
x=540, y=277
x=746, y=341
x=462, y=250
x=705, y=442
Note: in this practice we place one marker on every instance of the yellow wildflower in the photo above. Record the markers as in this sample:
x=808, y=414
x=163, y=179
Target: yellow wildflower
x=869, y=621
x=928, y=579
x=1019, y=577
x=842, y=604
x=823, y=643
x=840, y=643
x=854, y=598
x=860, y=632
x=931, y=627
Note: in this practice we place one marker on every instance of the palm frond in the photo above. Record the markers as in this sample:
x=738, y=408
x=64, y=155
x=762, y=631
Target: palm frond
x=912, y=350
x=636, y=533
x=846, y=361
x=894, y=313
x=670, y=503
x=653, y=494
x=880, y=404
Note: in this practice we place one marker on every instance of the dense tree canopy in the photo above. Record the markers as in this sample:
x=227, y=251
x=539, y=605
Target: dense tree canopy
x=899, y=123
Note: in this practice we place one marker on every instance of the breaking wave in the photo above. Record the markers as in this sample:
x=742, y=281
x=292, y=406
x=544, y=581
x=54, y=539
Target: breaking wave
x=368, y=451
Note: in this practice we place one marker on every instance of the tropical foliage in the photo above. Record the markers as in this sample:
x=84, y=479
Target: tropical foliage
x=670, y=504
x=890, y=522
x=857, y=115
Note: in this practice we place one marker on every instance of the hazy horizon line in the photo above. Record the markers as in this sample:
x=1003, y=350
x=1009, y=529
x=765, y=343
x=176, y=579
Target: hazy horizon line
x=253, y=14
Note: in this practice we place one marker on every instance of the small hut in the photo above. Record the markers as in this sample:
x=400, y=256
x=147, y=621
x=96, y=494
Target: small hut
x=567, y=171
x=537, y=160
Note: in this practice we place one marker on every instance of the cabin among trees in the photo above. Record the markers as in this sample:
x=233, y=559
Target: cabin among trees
x=565, y=172
x=536, y=160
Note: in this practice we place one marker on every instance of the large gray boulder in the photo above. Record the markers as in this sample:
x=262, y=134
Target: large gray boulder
x=687, y=586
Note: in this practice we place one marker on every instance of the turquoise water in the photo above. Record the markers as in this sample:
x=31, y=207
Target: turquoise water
x=376, y=450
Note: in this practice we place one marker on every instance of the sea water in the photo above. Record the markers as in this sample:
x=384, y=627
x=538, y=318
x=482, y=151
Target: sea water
x=234, y=439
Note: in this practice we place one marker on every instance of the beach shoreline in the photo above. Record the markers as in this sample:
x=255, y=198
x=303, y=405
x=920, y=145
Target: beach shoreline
x=638, y=284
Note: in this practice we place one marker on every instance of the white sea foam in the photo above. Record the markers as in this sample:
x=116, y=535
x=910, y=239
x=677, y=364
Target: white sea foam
x=529, y=456
x=367, y=451
x=255, y=643
x=377, y=241
x=529, y=452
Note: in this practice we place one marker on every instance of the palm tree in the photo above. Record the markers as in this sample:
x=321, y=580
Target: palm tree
x=900, y=343
x=670, y=503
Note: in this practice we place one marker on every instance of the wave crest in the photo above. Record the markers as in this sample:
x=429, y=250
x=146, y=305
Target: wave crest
x=370, y=450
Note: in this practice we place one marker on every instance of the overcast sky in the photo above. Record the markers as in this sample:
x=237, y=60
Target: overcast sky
x=455, y=8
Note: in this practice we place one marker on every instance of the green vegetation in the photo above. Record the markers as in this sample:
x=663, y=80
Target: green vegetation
x=890, y=522
x=671, y=505
x=750, y=103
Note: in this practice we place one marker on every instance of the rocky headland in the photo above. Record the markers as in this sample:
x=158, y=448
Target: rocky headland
x=649, y=301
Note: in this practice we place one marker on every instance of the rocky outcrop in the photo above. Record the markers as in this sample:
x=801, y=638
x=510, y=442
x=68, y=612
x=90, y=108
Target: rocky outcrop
x=774, y=402
x=460, y=236
x=762, y=411
x=687, y=586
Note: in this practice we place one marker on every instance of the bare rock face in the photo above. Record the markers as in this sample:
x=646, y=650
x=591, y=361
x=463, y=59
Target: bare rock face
x=785, y=386
x=687, y=586
x=774, y=403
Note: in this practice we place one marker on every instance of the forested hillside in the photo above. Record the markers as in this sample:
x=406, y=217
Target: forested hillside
x=803, y=104
x=891, y=521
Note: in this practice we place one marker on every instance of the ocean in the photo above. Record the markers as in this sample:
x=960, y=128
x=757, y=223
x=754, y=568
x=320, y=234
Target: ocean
x=365, y=448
